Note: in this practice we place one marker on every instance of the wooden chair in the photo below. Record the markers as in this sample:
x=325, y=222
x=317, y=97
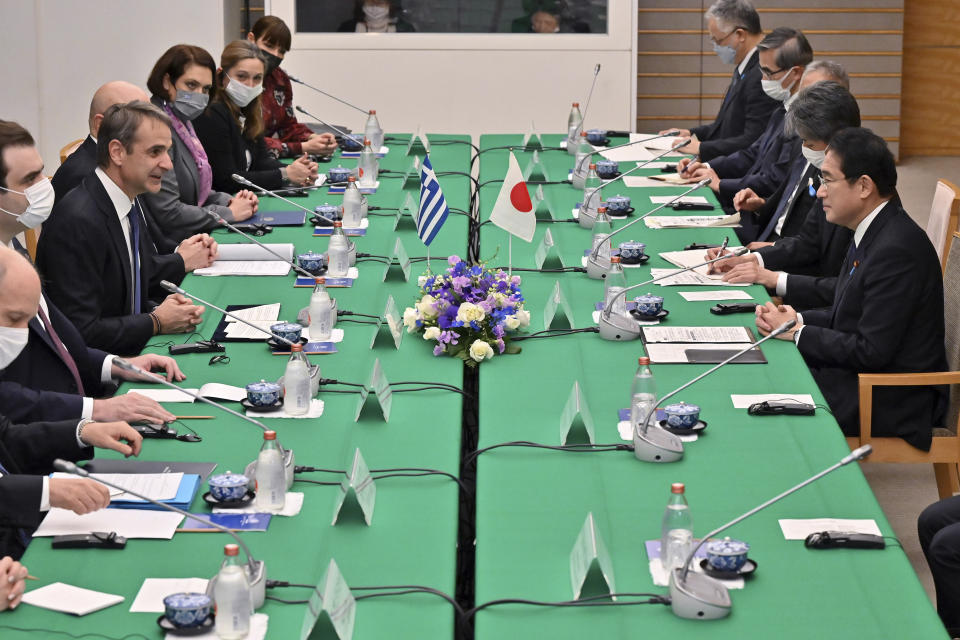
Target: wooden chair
x=944, y=216
x=944, y=453
x=69, y=148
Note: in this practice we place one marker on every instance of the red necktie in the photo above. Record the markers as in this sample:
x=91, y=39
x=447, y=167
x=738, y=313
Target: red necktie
x=62, y=350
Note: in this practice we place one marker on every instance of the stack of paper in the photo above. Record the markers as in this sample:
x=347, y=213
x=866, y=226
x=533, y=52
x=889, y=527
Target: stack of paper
x=70, y=599
x=689, y=258
x=177, y=489
x=249, y=260
x=692, y=222
x=129, y=523
x=211, y=390
x=690, y=278
x=675, y=344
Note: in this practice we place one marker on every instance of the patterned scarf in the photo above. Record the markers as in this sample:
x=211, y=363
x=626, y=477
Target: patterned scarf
x=189, y=136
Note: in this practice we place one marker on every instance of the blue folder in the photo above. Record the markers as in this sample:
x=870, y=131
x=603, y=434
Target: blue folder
x=185, y=495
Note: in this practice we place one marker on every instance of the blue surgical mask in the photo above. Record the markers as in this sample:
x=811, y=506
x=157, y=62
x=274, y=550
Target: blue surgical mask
x=728, y=55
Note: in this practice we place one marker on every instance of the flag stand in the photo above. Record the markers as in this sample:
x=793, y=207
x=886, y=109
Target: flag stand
x=428, y=260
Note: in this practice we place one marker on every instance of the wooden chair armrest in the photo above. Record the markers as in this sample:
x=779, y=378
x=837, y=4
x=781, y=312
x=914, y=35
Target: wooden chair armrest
x=867, y=381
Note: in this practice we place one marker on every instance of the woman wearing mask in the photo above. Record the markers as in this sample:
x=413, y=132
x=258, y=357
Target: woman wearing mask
x=231, y=129
x=376, y=16
x=180, y=83
x=285, y=137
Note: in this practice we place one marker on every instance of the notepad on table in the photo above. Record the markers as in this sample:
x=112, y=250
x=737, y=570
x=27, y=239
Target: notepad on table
x=211, y=390
x=67, y=598
x=250, y=260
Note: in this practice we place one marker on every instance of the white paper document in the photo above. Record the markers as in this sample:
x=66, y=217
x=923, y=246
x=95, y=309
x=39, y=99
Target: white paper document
x=676, y=353
x=211, y=390
x=654, y=142
x=741, y=401
x=67, y=598
x=243, y=331
x=628, y=154
x=692, y=222
x=150, y=597
x=697, y=334
x=703, y=296
x=657, y=165
x=316, y=410
x=800, y=529
x=129, y=523
x=258, y=630
x=690, y=278
x=291, y=506
x=685, y=199
x=645, y=182
x=159, y=486
x=335, y=336
x=249, y=260
x=262, y=313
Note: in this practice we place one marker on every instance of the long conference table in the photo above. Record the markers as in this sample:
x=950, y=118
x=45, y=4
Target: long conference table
x=510, y=533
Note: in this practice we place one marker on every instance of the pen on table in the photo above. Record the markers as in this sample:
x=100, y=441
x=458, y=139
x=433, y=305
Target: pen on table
x=723, y=247
x=194, y=417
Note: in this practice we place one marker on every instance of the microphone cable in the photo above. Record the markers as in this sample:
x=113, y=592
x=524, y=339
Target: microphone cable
x=552, y=333
x=592, y=601
x=573, y=448
x=387, y=590
x=398, y=472
x=513, y=147
x=557, y=270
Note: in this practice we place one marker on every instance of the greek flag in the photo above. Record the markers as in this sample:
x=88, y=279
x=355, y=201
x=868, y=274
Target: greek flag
x=433, y=207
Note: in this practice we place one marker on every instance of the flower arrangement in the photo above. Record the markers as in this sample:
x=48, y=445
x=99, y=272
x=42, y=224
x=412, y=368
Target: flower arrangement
x=469, y=310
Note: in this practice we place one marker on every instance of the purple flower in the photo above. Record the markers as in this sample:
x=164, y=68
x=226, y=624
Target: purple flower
x=438, y=350
x=452, y=260
x=447, y=337
x=501, y=345
x=498, y=332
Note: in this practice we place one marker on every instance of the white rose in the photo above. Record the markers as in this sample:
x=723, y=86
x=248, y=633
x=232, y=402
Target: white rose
x=425, y=307
x=422, y=280
x=470, y=312
x=481, y=351
x=432, y=333
x=410, y=319
x=524, y=317
x=512, y=322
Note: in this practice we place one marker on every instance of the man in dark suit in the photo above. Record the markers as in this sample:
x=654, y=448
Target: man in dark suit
x=95, y=253
x=887, y=310
x=801, y=264
x=735, y=31
x=763, y=166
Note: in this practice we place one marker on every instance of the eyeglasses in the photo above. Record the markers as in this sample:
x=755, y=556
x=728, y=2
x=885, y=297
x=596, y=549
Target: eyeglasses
x=826, y=182
x=768, y=74
x=715, y=41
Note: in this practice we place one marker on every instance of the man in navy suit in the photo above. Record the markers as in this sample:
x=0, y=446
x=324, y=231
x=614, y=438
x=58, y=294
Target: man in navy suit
x=887, y=310
x=95, y=253
x=735, y=32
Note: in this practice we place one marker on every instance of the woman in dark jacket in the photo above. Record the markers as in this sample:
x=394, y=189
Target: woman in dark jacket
x=231, y=129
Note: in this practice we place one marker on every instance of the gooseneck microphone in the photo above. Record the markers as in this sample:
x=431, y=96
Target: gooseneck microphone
x=656, y=444
x=356, y=139
x=596, y=268
x=236, y=177
x=579, y=167
x=699, y=597
x=266, y=248
x=288, y=460
x=256, y=569
x=586, y=107
x=310, y=86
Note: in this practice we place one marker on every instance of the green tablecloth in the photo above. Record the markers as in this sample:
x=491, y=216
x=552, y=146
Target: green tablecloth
x=531, y=503
x=413, y=536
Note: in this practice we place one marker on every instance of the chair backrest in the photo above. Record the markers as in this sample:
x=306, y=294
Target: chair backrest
x=944, y=217
x=951, y=309
x=69, y=148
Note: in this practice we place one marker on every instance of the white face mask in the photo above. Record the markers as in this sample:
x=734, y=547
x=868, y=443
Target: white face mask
x=376, y=14
x=241, y=94
x=813, y=157
x=40, y=197
x=775, y=90
x=12, y=343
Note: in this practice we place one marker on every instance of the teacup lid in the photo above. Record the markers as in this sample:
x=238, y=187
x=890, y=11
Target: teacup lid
x=285, y=327
x=310, y=255
x=263, y=386
x=606, y=163
x=618, y=198
x=187, y=600
x=601, y=131
x=727, y=547
x=632, y=243
x=648, y=297
x=229, y=480
x=682, y=409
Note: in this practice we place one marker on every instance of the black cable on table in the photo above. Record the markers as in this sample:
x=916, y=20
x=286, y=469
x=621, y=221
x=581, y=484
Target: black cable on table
x=593, y=601
x=552, y=333
x=559, y=270
x=432, y=387
x=573, y=448
x=406, y=591
x=90, y=634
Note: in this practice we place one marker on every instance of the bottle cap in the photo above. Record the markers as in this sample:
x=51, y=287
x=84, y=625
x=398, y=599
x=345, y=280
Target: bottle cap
x=593, y=166
x=321, y=280
x=296, y=347
x=231, y=550
x=351, y=179
x=337, y=223
x=373, y=112
x=614, y=259
x=643, y=360
x=576, y=104
x=272, y=435
x=676, y=487
x=601, y=209
x=583, y=134
x=366, y=141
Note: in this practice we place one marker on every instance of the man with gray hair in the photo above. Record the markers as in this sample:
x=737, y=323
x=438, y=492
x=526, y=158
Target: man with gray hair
x=734, y=28
x=101, y=267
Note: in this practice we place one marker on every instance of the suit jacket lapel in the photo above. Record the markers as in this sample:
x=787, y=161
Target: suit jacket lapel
x=112, y=223
x=861, y=252
x=35, y=326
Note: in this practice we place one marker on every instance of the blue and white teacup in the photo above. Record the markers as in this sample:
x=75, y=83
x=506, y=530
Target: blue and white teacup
x=597, y=136
x=185, y=610
x=631, y=251
x=288, y=330
x=727, y=554
x=330, y=211
x=264, y=394
x=682, y=415
x=312, y=262
x=607, y=169
x=228, y=487
x=618, y=205
x=338, y=173
x=649, y=304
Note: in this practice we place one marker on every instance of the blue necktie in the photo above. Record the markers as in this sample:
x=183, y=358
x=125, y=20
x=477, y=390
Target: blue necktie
x=733, y=83
x=134, y=218
x=787, y=199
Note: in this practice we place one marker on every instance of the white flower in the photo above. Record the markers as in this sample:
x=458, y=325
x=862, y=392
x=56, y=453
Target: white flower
x=481, y=350
x=422, y=280
x=425, y=307
x=432, y=333
x=410, y=318
x=524, y=317
x=470, y=312
x=512, y=322
x=500, y=299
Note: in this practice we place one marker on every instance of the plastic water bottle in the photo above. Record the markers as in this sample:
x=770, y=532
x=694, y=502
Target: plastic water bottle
x=369, y=167
x=271, y=476
x=677, y=539
x=338, y=252
x=296, y=383
x=591, y=191
x=614, y=283
x=581, y=164
x=373, y=132
x=320, y=312
x=574, y=124
x=352, y=204
x=643, y=394
x=601, y=229
x=231, y=594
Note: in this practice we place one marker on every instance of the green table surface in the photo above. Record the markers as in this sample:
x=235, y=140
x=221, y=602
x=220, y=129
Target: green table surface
x=532, y=503
x=413, y=536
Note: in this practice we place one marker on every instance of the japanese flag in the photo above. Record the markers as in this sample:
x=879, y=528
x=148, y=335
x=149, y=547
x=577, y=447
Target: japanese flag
x=513, y=211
